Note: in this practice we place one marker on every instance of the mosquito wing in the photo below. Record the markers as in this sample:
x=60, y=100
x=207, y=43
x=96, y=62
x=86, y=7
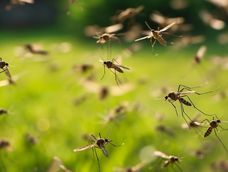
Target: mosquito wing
x=104, y=151
x=124, y=67
x=167, y=27
x=145, y=37
x=161, y=154
x=84, y=148
x=159, y=39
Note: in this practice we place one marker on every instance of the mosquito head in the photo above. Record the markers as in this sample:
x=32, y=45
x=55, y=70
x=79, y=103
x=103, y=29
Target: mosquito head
x=174, y=158
x=107, y=140
x=166, y=97
x=218, y=121
x=7, y=64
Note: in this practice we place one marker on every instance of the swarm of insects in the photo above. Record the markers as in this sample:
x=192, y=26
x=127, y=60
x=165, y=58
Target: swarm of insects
x=97, y=143
x=156, y=35
x=181, y=95
x=168, y=159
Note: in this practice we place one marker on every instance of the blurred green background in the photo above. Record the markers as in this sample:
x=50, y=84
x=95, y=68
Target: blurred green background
x=43, y=120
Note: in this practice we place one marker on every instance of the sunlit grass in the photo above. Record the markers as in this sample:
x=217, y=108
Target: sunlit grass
x=41, y=104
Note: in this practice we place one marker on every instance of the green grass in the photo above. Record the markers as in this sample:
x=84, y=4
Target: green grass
x=41, y=104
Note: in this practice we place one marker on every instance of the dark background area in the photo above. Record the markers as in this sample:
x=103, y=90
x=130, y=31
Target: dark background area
x=74, y=17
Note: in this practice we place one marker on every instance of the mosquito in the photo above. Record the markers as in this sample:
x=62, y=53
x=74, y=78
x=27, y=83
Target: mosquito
x=214, y=124
x=127, y=14
x=30, y=48
x=169, y=159
x=113, y=64
x=3, y=111
x=181, y=95
x=97, y=143
x=105, y=37
x=200, y=54
x=4, y=66
x=156, y=35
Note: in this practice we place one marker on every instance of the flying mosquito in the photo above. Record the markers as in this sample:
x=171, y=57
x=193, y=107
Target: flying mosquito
x=4, y=66
x=3, y=112
x=200, y=54
x=214, y=124
x=97, y=143
x=169, y=159
x=34, y=50
x=194, y=123
x=182, y=93
x=156, y=35
x=115, y=66
x=105, y=37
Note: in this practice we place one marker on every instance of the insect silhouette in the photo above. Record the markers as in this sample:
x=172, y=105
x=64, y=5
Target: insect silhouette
x=127, y=14
x=169, y=159
x=214, y=124
x=156, y=35
x=3, y=111
x=33, y=50
x=97, y=143
x=200, y=54
x=113, y=64
x=181, y=95
x=4, y=66
x=105, y=37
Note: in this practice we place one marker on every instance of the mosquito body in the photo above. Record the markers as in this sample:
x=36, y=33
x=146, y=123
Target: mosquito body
x=4, y=66
x=156, y=35
x=136, y=168
x=200, y=54
x=3, y=111
x=127, y=14
x=97, y=143
x=33, y=50
x=181, y=95
x=116, y=67
x=214, y=125
x=169, y=159
x=105, y=37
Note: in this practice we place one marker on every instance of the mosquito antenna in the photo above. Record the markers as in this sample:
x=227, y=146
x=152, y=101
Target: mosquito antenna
x=100, y=135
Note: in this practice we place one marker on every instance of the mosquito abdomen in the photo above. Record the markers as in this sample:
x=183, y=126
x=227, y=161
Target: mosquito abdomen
x=185, y=102
x=208, y=132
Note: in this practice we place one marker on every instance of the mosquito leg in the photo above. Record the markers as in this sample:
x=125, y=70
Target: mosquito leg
x=184, y=113
x=103, y=73
x=197, y=108
x=223, y=128
x=174, y=107
x=93, y=137
x=220, y=140
x=153, y=43
x=2, y=71
x=178, y=167
x=148, y=26
x=98, y=161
